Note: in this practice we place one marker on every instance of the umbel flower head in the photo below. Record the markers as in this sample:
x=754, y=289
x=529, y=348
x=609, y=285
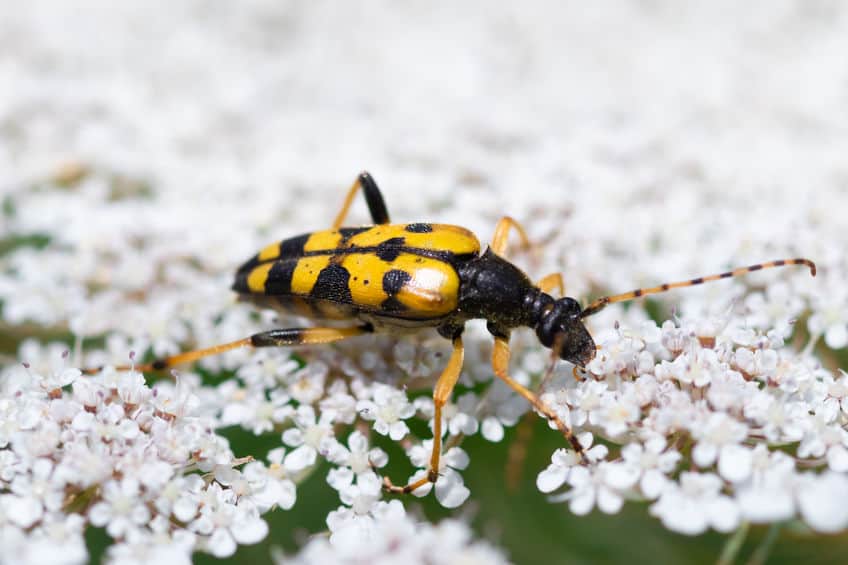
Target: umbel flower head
x=127, y=199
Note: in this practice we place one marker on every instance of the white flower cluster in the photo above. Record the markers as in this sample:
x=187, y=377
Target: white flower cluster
x=137, y=174
x=399, y=539
x=141, y=462
x=715, y=427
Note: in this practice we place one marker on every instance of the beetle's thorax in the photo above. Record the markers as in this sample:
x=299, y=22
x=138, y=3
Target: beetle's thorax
x=494, y=289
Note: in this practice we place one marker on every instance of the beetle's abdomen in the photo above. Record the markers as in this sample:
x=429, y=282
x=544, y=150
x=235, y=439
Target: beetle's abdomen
x=392, y=271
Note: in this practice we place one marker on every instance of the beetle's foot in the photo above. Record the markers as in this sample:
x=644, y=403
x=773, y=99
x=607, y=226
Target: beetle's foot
x=431, y=477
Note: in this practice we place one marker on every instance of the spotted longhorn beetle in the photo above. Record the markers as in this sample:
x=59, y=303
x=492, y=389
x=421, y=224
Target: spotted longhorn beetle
x=408, y=276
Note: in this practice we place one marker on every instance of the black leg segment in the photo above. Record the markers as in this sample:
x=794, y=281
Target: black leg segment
x=374, y=198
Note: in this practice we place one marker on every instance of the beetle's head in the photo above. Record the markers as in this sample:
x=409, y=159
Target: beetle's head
x=561, y=326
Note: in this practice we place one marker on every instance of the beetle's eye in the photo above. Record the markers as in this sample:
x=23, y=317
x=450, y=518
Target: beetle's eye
x=569, y=306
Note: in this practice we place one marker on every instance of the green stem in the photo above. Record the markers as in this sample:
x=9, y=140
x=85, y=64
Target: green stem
x=762, y=552
x=733, y=545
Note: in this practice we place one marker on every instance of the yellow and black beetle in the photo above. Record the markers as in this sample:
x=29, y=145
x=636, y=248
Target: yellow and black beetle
x=406, y=276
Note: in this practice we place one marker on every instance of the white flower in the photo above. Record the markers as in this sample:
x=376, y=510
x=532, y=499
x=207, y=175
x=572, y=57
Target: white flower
x=504, y=408
x=624, y=355
x=825, y=438
x=458, y=417
x=310, y=438
x=778, y=305
x=119, y=511
x=760, y=363
x=271, y=486
x=450, y=488
x=562, y=462
x=397, y=538
x=735, y=463
x=821, y=501
x=355, y=460
x=179, y=497
x=696, y=504
x=225, y=523
x=39, y=490
x=267, y=368
x=388, y=409
x=602, y=484
x=307, y=384
x=338, y=404
x=718, y=438
x=653, y=463
x=174, y=399
x=768, y=496
x=58, y=539
x=779, y=419
x=253, y=411
x=363, y=509
x=697, y=367
x=830, y=318
x=585, y=399
x=59, y=380
x=152, y=549
x=615, y=414
x=132, y=389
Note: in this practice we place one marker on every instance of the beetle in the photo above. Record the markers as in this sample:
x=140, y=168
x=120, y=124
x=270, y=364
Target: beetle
x=403, y=277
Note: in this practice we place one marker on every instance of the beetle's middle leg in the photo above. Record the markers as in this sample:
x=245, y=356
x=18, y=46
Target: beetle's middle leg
x=499, y=239
x=441, y=394
x=551, y=282
x=373, y=197
x=271, y=338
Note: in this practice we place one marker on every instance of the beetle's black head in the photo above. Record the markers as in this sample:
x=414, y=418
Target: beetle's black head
x=560, y=325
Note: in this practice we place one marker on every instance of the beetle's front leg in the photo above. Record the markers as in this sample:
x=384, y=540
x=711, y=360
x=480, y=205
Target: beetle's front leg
x=500, y=364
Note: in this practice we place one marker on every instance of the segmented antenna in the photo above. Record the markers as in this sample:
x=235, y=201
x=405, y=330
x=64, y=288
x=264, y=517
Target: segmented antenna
x=601, y=303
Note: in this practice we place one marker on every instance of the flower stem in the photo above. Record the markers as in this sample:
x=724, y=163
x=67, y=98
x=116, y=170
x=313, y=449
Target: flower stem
x=733, y=545
x=762, y=552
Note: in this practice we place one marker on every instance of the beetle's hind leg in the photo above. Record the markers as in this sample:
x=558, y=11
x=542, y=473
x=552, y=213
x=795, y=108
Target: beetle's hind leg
x=373, y=197
x=441, y=394
x=271, y=338
x=500, y=364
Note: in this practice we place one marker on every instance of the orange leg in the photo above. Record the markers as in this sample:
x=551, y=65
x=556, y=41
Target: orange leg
x=441, y=395
x=373, y=198
x=499, y=240
x=500, y=363
x=550, y=282
x=272, y=338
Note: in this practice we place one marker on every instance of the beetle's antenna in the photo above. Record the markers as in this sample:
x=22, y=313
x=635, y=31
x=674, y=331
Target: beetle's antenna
x=601, y=303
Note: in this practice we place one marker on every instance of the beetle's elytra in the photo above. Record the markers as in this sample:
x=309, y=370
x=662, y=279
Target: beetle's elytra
x=407, y=276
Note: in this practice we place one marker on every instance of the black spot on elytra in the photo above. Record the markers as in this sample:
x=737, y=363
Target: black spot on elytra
x=240, y=284
x=293, y=247
x=332, y=284
x=392, y=304
x=394, y=280
x=348, y=233
x=390, y=249
x=280, y=277
x=419, y=228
